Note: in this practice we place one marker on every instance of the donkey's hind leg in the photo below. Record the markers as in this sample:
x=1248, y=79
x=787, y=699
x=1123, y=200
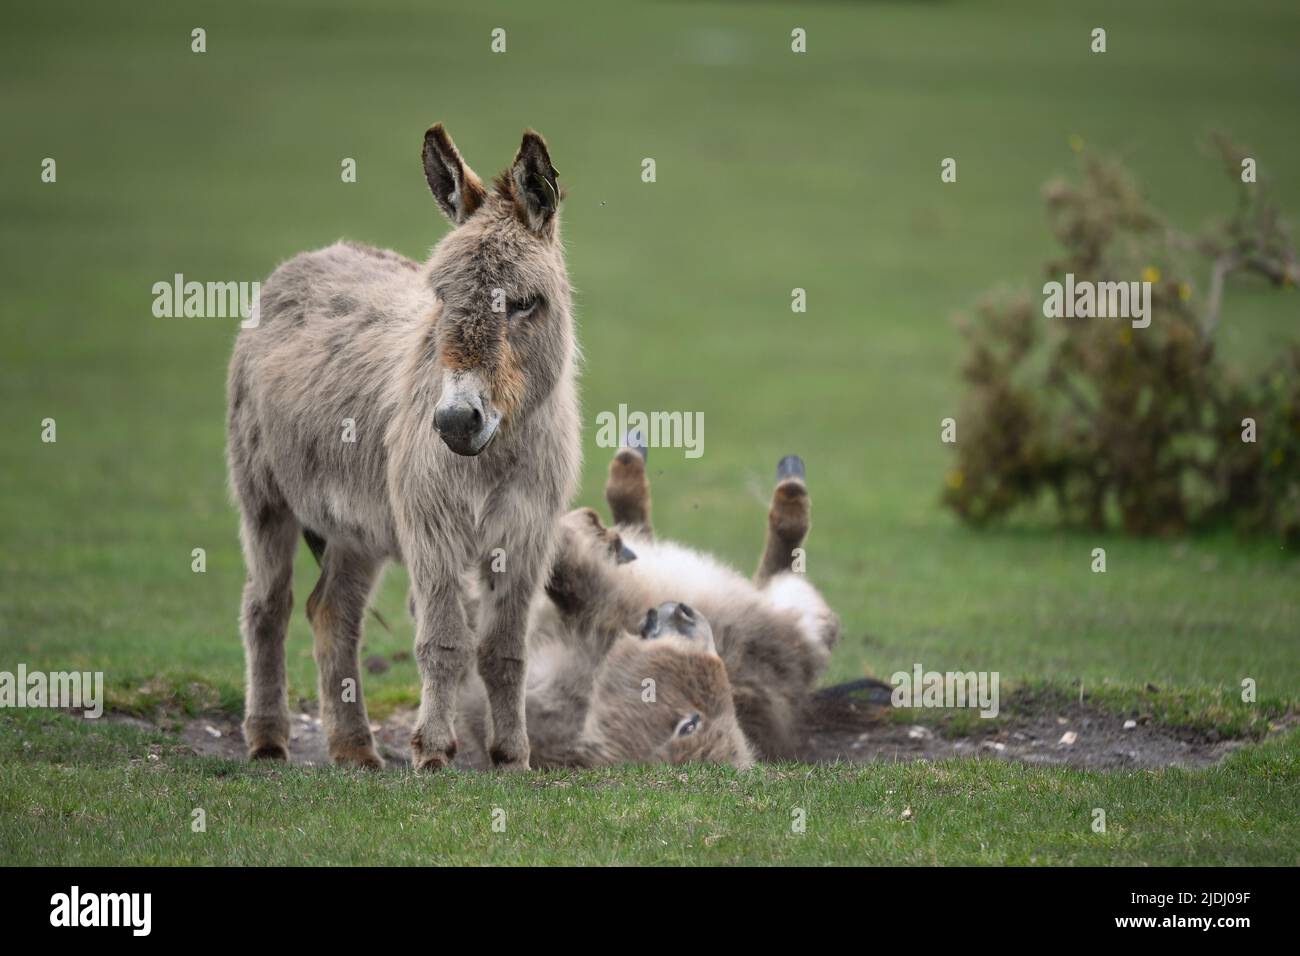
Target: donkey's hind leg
x=787, y=520
x=336, y=609
x=270, y=537
x=628, y=489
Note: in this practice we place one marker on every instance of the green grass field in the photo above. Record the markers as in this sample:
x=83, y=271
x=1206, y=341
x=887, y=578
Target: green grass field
x=774, y=171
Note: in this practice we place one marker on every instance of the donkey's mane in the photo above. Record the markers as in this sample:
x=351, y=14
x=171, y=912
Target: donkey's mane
x=504, y=184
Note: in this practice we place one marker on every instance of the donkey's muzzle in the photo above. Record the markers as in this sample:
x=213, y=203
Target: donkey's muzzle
x=461, y=420
x=463, y=427
x=669, y=618
x=680, y=621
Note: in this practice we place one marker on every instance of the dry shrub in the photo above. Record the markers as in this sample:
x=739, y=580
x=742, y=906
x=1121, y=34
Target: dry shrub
x=1139, y=425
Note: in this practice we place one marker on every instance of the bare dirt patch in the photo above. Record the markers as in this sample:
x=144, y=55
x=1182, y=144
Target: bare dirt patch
x=857, y=728
x=849, y=727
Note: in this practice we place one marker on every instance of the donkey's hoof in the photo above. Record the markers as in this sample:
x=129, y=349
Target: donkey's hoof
x=431, y=759
x=268, y=751
x=503, y=759
x=788, y=518
x=627, y=490
x=635, y=440
x=512, y=766
x=431, y=763
x=365, y=757
x=267, y=736
x=791, y=466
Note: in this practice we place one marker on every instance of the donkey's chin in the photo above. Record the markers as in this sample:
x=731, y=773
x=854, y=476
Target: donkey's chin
x=476, y=445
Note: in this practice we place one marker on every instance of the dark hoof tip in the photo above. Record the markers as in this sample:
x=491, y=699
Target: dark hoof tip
x=268, y=752
x=636, y=441
x=791, y=466
x=502, y=760
x=431, y=760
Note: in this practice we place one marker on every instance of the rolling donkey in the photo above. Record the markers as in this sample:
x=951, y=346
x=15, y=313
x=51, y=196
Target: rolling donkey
x=419, y=413
x=732, y=661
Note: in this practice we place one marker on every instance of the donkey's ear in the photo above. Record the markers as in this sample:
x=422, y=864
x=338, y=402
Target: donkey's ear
x=458, y=190
x=536, y=184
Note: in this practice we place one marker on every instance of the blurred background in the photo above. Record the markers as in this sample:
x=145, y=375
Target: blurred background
x=775, y=171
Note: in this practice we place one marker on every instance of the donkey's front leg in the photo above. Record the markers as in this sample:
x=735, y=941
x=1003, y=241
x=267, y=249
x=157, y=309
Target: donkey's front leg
x=509, y=580
x=502, y=665
x=443, y=651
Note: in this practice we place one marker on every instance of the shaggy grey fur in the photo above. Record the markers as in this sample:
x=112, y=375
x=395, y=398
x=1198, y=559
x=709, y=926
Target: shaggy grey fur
x=362, y=343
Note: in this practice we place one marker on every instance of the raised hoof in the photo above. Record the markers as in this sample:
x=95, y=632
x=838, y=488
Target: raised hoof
x=268, y=751
x=637, y=443
x=627, y=491
x=791, y=466
x=789, y=515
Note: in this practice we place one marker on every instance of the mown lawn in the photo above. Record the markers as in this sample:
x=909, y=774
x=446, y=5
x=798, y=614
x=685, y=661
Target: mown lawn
x=94, y=796
x=774, y=171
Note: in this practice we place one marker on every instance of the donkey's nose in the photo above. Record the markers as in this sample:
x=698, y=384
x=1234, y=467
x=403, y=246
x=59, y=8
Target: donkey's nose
x=458, y=421
x=671, y=618
x=650, y=625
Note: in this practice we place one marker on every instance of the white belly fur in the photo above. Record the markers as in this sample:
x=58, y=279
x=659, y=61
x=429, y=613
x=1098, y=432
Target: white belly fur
x=672, y=572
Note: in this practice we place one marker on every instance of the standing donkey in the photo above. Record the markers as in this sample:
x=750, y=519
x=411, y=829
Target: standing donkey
x=421, y=413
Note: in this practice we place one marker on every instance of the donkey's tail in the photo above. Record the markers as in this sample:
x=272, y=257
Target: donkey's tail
x=872, y=690
x=316, y=544
x=867, y=690
x=854, y=705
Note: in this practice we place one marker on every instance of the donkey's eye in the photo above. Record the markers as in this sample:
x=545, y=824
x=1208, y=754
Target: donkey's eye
x=523, y=309
x=687, y=726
